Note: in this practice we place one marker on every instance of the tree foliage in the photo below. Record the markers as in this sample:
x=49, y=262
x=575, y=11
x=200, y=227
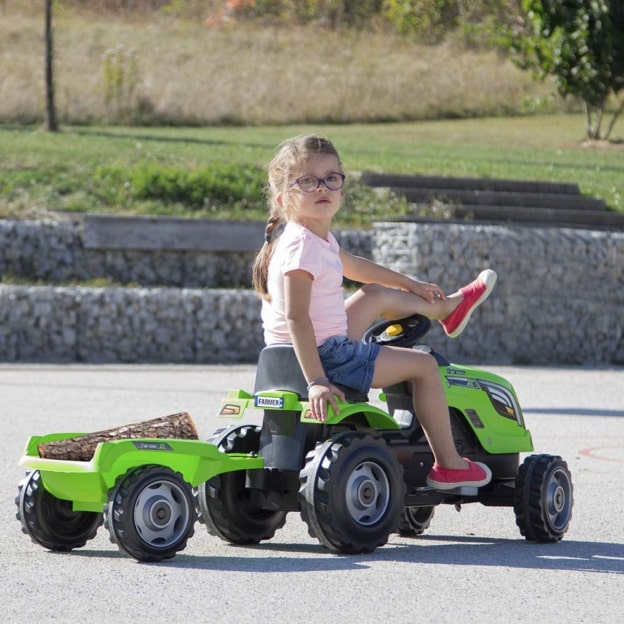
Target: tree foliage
x=427, y=20
x=580, y=43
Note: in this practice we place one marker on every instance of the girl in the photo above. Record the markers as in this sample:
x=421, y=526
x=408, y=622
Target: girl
x=299, y=273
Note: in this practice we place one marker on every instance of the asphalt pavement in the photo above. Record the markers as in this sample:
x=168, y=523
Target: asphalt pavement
x=469, y=567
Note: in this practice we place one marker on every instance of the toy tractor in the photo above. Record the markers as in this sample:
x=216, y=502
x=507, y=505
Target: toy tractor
x=355, y=479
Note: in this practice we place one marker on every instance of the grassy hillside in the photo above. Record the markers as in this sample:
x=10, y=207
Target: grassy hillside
x=108, y=169
x=154, y=109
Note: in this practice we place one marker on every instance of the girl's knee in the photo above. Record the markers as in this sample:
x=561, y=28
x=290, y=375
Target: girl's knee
x=427, y=367
x=380, y=295
x=373, y=290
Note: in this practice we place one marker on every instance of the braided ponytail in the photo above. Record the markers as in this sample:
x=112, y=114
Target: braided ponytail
x=261, y=264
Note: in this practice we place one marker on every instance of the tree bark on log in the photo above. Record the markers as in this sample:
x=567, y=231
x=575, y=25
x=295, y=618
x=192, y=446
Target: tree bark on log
x=82, y=448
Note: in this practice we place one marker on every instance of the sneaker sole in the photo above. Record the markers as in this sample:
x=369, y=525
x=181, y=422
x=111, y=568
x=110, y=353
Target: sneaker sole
x=489, y=277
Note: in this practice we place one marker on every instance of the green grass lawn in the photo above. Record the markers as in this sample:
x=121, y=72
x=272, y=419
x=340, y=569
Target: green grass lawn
x=68, y=171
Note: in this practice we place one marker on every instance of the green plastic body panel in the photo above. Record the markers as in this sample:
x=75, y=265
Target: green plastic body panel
x=238, y=401
x=86, y=484
x=497, y=434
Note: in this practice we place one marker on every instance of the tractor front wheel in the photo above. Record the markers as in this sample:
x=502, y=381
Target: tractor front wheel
x=226, y=506
x=415, y=520
x=543, y=498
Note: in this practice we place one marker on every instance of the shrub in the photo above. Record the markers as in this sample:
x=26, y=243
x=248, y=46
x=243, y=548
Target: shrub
x=206, y=190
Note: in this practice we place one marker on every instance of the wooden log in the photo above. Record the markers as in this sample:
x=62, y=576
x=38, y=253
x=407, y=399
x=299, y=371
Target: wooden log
x=82, y=448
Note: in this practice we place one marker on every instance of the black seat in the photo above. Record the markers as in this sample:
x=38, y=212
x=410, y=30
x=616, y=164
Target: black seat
x=278, y=369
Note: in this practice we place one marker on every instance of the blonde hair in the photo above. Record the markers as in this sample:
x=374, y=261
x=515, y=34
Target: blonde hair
x=290, y=157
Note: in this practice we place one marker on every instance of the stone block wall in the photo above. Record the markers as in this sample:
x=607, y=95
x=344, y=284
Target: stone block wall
x=54, y=251
x=129, y=325
x=59, y=252
x=559, y=299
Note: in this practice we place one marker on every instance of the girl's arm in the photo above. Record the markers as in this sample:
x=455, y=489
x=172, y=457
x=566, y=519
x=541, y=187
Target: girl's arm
x=366, y=271
x=297, y=291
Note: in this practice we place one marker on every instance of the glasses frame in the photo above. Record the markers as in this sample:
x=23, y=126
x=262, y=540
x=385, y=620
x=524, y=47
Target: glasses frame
x=297, y=182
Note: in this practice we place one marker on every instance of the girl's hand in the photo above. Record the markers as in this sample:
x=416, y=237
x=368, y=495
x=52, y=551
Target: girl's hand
x=429, y=292
x=319, y=394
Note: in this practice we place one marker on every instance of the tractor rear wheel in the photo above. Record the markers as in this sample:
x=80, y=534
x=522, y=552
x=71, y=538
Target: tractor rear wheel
x=351, y=492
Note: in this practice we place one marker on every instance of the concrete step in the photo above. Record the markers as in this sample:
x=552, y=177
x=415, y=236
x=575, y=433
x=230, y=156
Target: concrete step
x=472, y=197
x=502, y=201
x=540, y=216
x=172, y=233
x=476, y=184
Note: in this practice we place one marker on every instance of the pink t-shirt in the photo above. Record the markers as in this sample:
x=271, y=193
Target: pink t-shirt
x=298, y=248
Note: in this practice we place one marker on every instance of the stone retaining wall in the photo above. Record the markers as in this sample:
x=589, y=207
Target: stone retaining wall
x=78, y=324
x=59, y=251
x=559, y=299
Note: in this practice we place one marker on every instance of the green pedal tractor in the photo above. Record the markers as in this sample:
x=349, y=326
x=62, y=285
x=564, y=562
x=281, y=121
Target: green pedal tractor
x=355, y=479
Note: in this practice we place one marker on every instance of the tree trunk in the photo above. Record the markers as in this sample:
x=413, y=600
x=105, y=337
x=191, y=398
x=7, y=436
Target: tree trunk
x=616, y=114
x=81, y=448
x=50, y=120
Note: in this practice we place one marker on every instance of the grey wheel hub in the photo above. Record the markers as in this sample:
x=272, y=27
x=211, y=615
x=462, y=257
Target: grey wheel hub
x=367, y=493
x=161, y=513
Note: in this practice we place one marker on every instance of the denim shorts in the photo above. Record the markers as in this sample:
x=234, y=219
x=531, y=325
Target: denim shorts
x=350, y=363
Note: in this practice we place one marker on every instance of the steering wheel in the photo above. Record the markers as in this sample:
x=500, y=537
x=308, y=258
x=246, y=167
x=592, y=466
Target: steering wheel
x=405, y=332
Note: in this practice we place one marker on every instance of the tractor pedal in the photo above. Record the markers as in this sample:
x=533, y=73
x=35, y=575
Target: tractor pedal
x=463, y=491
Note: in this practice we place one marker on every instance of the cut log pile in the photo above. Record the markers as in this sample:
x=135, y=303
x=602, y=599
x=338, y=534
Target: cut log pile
x=82, y=448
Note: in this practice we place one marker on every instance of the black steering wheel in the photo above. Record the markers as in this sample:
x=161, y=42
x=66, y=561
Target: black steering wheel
x=405, y=332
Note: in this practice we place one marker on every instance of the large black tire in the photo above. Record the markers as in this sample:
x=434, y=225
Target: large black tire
x=223, y=502
x=352, y=492
x=543, y=498
x=150, y=513
x=415, y=520
x=50, y=521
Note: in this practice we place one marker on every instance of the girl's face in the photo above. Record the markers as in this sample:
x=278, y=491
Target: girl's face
x=322, y=203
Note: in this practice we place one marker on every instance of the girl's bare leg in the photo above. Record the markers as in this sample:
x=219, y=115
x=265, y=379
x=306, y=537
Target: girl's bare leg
x=395, y=364
x=372, y=301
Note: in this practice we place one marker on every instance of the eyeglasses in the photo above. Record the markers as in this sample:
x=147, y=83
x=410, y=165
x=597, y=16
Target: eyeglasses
x=309, y=183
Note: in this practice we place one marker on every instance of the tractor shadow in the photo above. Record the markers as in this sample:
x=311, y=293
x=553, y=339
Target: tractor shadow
x=597, y=557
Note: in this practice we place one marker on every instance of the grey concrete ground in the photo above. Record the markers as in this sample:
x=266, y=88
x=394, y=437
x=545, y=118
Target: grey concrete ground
x=469, y=567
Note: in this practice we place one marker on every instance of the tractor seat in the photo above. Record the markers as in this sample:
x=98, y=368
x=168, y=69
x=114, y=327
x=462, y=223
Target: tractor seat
x=278, y=369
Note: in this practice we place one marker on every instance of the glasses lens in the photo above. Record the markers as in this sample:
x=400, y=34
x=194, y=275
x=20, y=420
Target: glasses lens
x=308, y=183
x=334, y=181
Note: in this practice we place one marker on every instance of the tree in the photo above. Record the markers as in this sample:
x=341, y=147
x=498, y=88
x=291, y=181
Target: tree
x=51, y=123
x=581, y=44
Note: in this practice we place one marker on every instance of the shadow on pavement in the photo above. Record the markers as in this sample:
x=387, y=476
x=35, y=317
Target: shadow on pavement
x=600, y=557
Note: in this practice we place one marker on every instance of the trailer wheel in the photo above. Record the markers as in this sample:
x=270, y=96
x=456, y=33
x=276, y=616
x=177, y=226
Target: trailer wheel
x=543, y=498
x=223, y=502
x=415, y=520
x=150, y=513
x=352, y=492
x=51, y=521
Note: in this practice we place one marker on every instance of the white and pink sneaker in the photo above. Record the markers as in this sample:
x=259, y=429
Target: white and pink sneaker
x=474, y=295
x=476, y=475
